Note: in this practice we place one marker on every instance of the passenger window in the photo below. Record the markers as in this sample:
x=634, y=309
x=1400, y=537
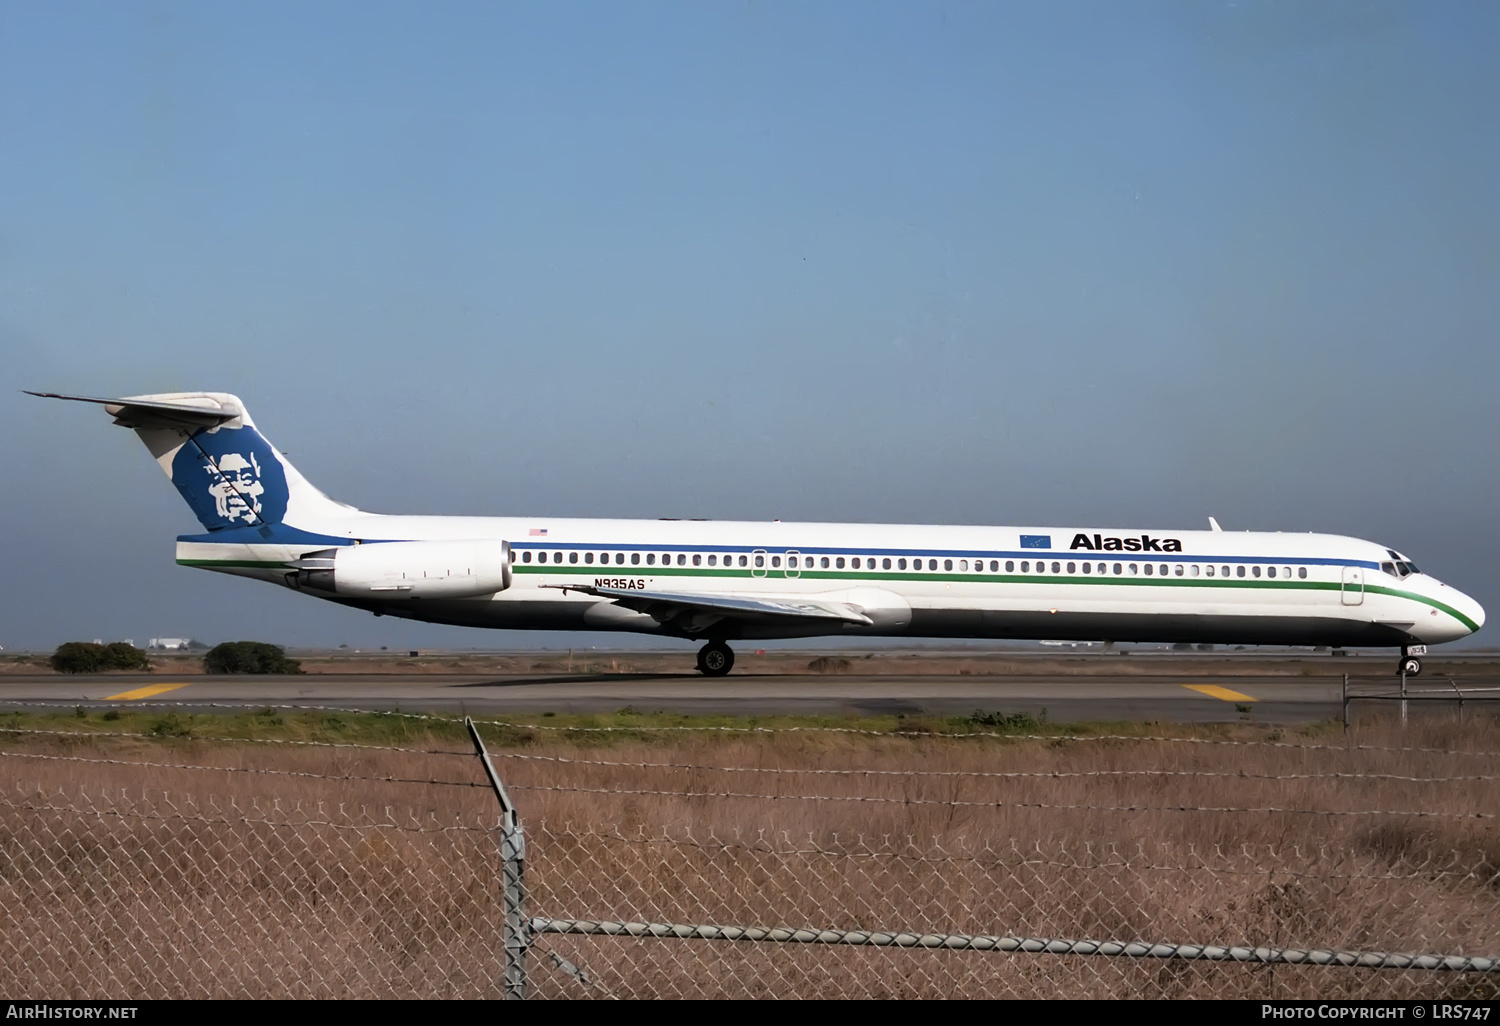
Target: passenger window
x=557, y=557
x=1302, y=572
x=760, y=560
x=947, y=564
x=742, y=561
x=588, y=557
x=1209, y=571
x=776, y=561
x=635, y=558
x=1148, y=569
x=1286, y=572
x=900, y=564
x=1010, y=566
x=1179, y=570
x=885, y=564
x=1025, y=566
x=1239, y=571
x=855, y=563
x=1132, y=568
x=1056, y=567
x=963, y=564
x=1087, y=568
x=1255, y=571
x=1195, y=570
x=931, y=564
x=572, y=557
x=823, y=562
x=713, y=560
x=526, y=557
x=839, y=562
x=1224, y=571
x=1072, y=568
x=650, y=559
x=697, y=559
x=994, y=566
x=1117, y=568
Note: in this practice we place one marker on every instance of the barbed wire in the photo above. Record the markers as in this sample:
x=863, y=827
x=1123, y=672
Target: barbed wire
x=240, y=769
x=1111, y=858
x=671, y=728
x=956, y=803
x=1000, y=774
x=469, y=754
x=96, y=812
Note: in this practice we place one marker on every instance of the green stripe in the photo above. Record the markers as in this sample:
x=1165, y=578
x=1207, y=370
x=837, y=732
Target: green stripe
x=838, y=577
x=1434, y=603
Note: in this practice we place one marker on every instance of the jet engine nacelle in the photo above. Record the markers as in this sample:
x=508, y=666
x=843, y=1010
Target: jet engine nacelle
x=407, y=570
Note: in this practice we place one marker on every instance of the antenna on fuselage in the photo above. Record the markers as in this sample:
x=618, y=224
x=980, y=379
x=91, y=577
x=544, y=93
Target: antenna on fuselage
x=1214, y=524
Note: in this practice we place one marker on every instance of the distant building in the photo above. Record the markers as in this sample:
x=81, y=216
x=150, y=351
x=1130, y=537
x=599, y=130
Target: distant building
x=168, y=644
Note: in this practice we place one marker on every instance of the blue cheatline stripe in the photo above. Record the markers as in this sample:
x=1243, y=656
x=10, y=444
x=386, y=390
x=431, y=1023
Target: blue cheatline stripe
x=1080, y=555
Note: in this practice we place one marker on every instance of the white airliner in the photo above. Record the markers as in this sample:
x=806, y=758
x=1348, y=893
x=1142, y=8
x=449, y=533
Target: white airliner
x=719, y=581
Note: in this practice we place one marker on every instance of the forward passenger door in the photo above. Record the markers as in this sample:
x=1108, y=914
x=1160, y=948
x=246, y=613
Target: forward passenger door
x=1354, y=585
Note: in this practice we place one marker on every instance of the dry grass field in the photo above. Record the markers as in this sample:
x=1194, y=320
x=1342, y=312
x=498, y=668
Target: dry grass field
x=173, y=865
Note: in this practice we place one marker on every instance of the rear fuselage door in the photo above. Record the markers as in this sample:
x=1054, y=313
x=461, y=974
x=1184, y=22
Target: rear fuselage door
x=758, y=563
x=793, y=563
x=1354, y=585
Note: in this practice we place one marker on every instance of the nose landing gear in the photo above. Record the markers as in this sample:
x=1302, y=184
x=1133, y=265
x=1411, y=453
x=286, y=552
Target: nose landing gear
x=715, y=659
x=1411, y=663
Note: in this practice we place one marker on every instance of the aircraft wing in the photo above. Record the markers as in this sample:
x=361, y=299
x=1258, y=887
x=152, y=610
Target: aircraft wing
x=697, y=611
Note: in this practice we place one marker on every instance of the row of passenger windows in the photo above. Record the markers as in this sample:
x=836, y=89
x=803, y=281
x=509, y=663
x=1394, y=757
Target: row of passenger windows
x=759, y=559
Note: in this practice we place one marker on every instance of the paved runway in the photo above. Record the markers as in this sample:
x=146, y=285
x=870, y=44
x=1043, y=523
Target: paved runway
x=1065, y=698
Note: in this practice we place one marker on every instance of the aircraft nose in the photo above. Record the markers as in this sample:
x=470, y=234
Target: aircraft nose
x=1471, y=613
x=1475, y=613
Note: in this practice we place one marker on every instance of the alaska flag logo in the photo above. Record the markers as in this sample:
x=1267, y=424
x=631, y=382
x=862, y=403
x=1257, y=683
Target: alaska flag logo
x=231, y=477
x=1036, y=541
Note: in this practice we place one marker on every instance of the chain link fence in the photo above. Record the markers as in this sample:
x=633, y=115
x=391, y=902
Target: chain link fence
x=334, y=871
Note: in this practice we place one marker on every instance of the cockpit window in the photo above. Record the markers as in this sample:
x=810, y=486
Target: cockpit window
x=1389, y=568
x=1411, y=568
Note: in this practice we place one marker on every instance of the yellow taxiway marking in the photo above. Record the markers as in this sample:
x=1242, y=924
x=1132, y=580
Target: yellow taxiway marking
x=145, y=692
x=1214, y=691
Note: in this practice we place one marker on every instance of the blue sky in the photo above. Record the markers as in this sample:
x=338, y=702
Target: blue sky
x=1078, y=263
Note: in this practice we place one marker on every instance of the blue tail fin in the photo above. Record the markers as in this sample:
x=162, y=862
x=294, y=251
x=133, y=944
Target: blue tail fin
x=229, y=474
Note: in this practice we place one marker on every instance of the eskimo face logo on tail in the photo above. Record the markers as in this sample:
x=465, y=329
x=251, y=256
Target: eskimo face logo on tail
x=231, y=478
x=236, y=487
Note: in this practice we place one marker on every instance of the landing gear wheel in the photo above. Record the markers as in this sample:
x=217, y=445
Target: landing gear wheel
x=1411, y=666
x=715, y=659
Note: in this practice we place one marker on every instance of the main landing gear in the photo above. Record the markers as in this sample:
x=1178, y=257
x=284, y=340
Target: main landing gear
x=1411, y=663
x=715, y=659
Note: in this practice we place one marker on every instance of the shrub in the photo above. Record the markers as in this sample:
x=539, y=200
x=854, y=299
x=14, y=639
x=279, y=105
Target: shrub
x=87, y=657
x=249, y=657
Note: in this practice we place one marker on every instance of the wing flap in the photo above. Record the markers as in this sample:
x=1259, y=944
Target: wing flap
x=667, y=605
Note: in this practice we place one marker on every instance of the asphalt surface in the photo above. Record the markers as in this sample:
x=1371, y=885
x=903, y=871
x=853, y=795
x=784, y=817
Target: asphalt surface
x=1064, y=698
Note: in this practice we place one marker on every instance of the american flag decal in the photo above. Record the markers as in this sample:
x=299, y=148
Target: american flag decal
x=538, y=532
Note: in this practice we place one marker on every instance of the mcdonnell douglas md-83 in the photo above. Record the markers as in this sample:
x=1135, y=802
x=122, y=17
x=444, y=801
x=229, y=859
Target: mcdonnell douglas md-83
x=718, y=582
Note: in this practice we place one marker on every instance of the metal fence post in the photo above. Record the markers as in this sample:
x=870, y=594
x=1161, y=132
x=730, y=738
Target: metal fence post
x=1346, y=703
x=515, y=929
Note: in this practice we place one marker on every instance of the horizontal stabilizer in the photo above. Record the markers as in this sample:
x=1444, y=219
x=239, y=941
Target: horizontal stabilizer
x=667, y=605
x=150, y=411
